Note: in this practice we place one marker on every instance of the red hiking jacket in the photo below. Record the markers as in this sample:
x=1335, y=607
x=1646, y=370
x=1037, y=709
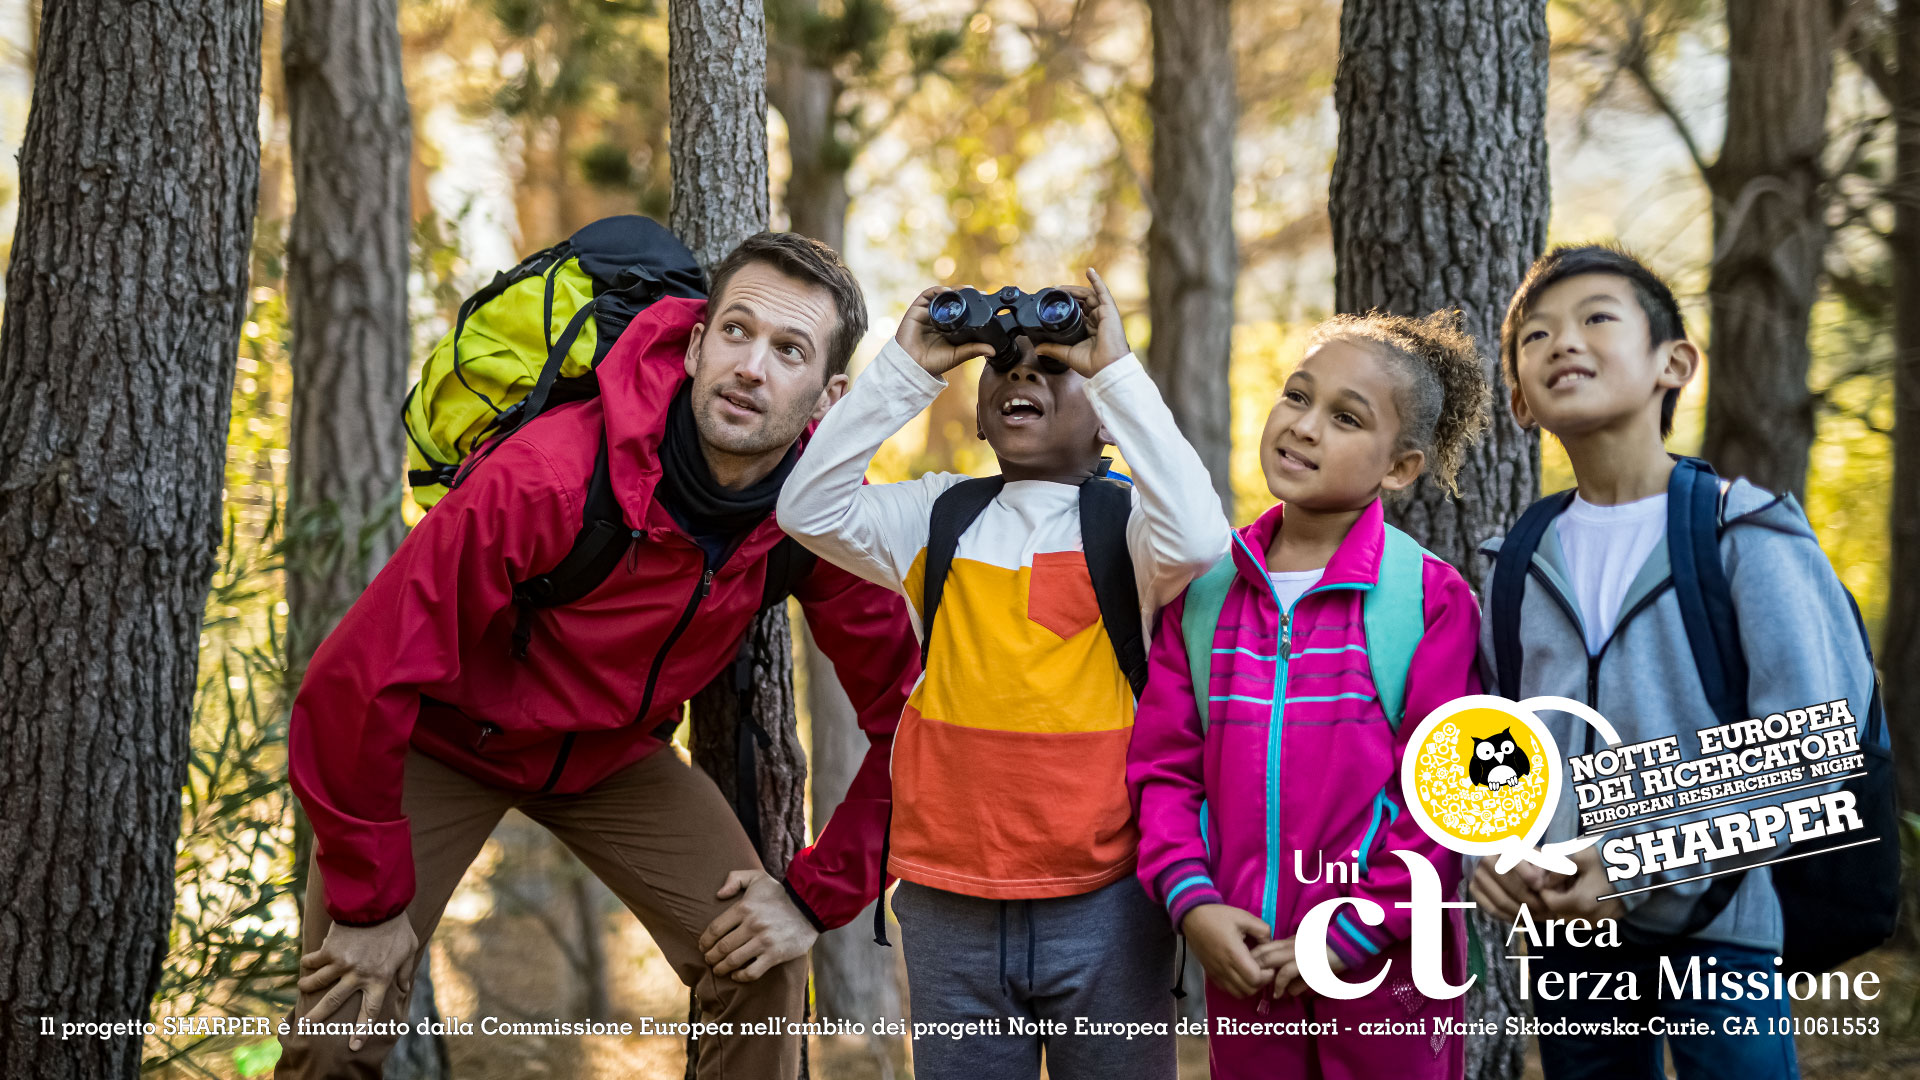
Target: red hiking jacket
x=424, y=657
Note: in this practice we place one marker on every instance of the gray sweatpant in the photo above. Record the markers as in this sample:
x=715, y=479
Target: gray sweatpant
x=1105, y=957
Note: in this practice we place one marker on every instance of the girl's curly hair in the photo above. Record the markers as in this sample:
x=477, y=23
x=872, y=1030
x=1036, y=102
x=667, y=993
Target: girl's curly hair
x=1443, y=397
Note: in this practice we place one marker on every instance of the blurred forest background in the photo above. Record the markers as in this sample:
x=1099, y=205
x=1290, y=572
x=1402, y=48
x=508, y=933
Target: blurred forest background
x=941, y=141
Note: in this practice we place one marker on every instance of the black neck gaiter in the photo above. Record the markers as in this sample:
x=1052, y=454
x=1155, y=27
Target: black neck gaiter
x=694, y=496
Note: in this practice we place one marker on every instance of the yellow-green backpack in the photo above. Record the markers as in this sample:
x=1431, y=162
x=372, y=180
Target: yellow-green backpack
x=533, y=337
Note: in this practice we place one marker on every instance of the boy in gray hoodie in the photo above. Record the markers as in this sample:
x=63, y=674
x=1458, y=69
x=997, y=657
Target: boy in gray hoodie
x=1595, y=352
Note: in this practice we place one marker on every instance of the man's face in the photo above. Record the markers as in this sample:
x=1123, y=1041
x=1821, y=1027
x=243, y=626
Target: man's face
x=1036, y=415
x=759, y=363
x=1586, y=361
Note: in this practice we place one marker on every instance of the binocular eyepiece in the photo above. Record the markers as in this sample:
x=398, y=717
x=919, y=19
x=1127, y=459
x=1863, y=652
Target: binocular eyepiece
x=965, y=316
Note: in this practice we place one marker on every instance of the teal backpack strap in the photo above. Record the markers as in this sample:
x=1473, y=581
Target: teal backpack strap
x=1205, y=597
x=1396, y=619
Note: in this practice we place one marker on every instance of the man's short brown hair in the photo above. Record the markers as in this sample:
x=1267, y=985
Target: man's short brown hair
x=811, y=261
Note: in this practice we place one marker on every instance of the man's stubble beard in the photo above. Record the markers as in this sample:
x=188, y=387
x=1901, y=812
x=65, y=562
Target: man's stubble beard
x=776, y=431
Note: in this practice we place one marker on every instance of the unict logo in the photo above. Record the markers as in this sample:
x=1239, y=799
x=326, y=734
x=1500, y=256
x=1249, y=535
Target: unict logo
x=1482, y=776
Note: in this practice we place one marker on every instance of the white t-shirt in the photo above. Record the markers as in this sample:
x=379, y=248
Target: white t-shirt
x=1290, y=585
x=1605, y=547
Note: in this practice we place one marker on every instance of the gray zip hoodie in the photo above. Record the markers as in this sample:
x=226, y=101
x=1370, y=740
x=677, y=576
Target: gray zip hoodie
x=1802, y=648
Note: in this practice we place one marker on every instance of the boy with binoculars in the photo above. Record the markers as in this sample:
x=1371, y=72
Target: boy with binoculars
x=1033, y=592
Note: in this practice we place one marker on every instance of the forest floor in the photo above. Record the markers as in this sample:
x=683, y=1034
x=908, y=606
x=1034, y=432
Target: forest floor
x=521, y=974
x=504, y=950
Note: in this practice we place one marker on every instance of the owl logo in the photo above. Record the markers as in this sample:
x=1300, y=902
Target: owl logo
x=1497, y=761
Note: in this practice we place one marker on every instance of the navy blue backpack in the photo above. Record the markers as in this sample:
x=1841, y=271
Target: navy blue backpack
x=1825, y=925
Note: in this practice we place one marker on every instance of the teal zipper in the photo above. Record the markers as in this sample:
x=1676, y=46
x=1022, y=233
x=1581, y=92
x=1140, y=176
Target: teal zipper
x=1270, y=893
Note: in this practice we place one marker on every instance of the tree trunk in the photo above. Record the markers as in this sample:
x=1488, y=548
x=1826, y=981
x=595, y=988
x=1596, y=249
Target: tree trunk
x=717, y=102
x=351, y=138
x=717, y=98
x=124, y=299
x=1439, y=199
x=1900, y=643
x=853, y=979
x=351, y=144
x=780, y=764
x=808, y=99
x=1192, y=260
x=1769, y=241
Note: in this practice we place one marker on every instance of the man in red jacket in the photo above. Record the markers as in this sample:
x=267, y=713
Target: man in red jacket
x=424, y=718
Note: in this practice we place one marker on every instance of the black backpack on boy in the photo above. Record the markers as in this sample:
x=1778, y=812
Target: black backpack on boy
x=1824, y=925
x=1105, y=506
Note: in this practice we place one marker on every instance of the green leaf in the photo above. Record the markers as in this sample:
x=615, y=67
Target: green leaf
x=255, y=1059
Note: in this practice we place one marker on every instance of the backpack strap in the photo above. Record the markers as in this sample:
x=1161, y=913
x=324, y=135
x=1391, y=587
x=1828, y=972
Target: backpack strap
x=598, y=547
x=1701, y=587
x=788, y=564
x=1705, y=596
x=1510, y=568
x=603, y=541
x=1105, y=507
x=1198, y=620
x=953, y=511
x=523, y=412
x=1396, y=620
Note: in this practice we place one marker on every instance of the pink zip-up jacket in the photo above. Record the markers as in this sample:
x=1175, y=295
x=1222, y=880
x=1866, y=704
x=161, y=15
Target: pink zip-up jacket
x=1222, y=818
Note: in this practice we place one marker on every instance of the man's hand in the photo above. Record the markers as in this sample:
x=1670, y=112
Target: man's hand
x=1106, y=336
x=363, y=960
x=1500, y=895
x=759, y=932
x=1218, y=935
x=1578, y=897
x=924, y=343
x=1281, y=958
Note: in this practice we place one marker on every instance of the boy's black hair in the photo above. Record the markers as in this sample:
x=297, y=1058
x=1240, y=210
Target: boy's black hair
x=1571, y=260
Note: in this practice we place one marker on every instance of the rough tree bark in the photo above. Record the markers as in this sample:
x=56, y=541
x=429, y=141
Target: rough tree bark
x=125, y=295
x=1769, y=240
x=1900, y=649
x=351, y=140
x=1439, y=199
x=351, y=144
x=1192, y=260
x=853, y=978
x=717, y=98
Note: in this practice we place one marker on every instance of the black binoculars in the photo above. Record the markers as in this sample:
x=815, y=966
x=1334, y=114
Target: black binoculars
x=965, y=316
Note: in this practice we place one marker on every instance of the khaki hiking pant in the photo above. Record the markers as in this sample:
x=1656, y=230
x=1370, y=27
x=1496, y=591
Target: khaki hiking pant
x=658, y=833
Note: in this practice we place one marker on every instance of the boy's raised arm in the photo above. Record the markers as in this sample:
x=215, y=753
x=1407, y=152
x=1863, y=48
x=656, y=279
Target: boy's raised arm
x=1179, y=530
x=873, y=530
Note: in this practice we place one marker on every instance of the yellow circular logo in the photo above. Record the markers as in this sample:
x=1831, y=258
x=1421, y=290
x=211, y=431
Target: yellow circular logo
x=1482, y=776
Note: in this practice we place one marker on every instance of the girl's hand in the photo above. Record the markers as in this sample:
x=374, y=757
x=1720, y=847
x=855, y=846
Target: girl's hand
x=1280, y=957
x=1218, y=935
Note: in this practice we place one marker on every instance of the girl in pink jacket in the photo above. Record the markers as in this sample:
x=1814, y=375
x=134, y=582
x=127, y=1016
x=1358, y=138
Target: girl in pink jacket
x=1334, y=636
